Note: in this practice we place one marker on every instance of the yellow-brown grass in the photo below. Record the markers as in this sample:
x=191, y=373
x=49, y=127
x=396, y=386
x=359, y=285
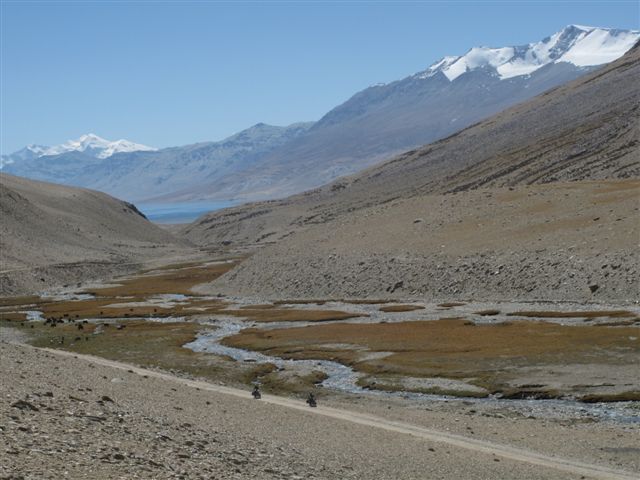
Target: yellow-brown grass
x=301, y=302
x=271, y=380
x=153, y=344
x=452, y=348
x=292, y=315
x=369, y=383
x=13, y=316
x=618, y=323
x=179, y=281
x=295, y=383
x=354, y=301
x=170, y=279
x=631, y=185
x=631, y=396
x=17, y=301
x=366, y=301
x=140, y=342
x=585, y=314
x=98, y=308
x=400, y=308
x=257, y=372
x=451, y=304
x=172, y=266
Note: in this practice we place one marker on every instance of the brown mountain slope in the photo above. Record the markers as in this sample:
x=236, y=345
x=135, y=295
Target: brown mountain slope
x=52, y=234
x=587, y=129
x=537, y=203
x=555, y=242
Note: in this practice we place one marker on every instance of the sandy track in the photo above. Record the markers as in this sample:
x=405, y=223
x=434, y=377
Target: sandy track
x=457, y=441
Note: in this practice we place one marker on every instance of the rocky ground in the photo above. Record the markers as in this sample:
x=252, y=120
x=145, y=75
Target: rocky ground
x=541, y=242
x=584, y=130
x=65, y=417
x=539, y=202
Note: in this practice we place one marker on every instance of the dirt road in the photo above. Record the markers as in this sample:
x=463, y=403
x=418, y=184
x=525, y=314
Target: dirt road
x=456, y=441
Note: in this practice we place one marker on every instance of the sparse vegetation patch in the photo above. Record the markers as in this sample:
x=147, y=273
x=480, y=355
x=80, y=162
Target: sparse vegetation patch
x=577, y=314
x=291, y=315
x=173, y=281
x=450, y=348
x=401, y=308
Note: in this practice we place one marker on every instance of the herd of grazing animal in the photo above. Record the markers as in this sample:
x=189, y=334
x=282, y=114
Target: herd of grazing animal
x=53, y=322
x=74, y=319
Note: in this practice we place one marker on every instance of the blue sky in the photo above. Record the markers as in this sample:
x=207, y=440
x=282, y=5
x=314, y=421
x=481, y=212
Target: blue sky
x=169, y=73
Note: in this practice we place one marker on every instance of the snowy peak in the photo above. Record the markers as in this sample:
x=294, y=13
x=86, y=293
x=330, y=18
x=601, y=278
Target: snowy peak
x=89, y=144
x=576, y=44
x=439, y=66
x=598, y=46
x=36, y=149
x=93, y=145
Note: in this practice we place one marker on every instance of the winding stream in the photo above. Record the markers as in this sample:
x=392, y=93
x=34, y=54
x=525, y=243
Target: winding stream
x=344, y=379
x=339, y=377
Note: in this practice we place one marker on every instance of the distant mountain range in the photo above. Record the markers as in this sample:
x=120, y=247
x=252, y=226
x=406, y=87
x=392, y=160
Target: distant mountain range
x=144, y=173
x=268, y=162
x=90, y=144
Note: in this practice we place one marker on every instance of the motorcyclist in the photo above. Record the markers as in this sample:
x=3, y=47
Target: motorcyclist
x=256, y=392
x=311, y=399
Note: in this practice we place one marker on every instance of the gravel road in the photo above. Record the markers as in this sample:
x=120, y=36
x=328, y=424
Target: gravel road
x=70, y=416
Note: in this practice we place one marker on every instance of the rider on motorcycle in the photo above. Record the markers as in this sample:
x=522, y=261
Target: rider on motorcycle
x=256, y=392
x=311, y=399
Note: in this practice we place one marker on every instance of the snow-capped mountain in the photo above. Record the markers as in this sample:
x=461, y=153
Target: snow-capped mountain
x=452, y=94
x=380, y=121
x=90, y=144
x=134, y=175
x=575, y=44
x=93, y=145
x=27, y=153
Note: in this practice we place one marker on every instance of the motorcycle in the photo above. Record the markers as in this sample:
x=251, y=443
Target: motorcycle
x=256, y=393
x=311, y=400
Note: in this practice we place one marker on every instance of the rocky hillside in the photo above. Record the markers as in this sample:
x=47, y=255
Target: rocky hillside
x=453, y=93
x=486, y=213
x=556, y=242
x=584, y=130
x=52, y=234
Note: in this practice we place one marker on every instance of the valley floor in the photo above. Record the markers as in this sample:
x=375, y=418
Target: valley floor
x=112, y=392
x=81, y=417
